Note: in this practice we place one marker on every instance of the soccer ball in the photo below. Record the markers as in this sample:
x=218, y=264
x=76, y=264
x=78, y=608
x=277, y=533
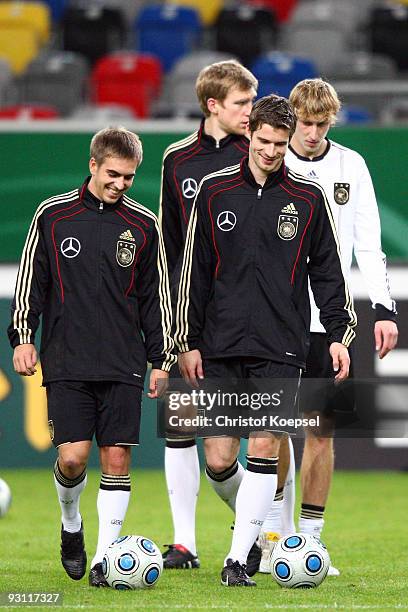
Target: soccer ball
x=5, y=497
x=132, y=562
x=299, y=561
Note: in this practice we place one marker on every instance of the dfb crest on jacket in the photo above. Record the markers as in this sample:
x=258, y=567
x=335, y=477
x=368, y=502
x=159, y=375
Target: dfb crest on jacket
x=341, y=193
x=287, y=227
x=125, y=253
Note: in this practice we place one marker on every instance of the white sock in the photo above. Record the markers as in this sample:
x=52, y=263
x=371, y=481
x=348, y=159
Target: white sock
x=183, y=484
x=289, y=496
x=112, y=503
x=273, y=520
x=227, y=483
x=254, y=499
x=69, y=491
x=312, y=526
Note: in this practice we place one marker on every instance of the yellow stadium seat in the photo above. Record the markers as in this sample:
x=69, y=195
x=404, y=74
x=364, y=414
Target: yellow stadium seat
x=208, y=9
x=29, y=14
x=19, y=45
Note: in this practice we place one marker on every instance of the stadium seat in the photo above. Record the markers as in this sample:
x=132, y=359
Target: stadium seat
x=57, y=8
x=357, y=65
x=208, y=10
x=395, y=112
x=93, y=31
x=25, y=112
x=129, y=79
x=179, y=96
x=323, y=42
x=387, y=31
x=282, y=8
x=354, y=115
x=128, y=8
x=58, y=78
x=35, y=15
x=8, y=88
x=18, y=45
x=167, y=31
x=345, y=13
x=102, y=113
x=245, y=31
x=278, y=72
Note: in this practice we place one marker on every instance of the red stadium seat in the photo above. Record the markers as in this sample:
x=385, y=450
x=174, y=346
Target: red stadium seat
x=282, y=8
x=24, y=112
x=128, y=78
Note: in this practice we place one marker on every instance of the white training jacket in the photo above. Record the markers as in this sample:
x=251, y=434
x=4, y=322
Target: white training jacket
x=345, y=178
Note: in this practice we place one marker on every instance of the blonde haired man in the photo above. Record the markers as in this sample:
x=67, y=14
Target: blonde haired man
x=346, y=180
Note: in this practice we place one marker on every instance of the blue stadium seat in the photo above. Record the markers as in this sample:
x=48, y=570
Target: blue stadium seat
x=278, y=72
x=167, y=31
x=57, y=8
x=354, y=115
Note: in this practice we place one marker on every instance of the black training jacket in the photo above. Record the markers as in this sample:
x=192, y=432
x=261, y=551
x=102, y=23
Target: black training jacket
x=248, y=256
x=97, y=274
x=185, y=163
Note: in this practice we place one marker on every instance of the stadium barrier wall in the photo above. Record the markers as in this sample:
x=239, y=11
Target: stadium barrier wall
x=41, y=163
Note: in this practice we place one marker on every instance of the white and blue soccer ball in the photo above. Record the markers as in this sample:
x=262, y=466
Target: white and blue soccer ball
x=132, y=562
x=299, y=561
x=5, y=497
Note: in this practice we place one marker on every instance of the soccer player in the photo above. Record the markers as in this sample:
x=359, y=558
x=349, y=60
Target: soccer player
x=225, y=91
x=257, y=232
x=94, y=268
x=346, y=180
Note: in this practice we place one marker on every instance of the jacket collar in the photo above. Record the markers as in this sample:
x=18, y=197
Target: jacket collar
x=315, y=159
x=209, y=142
x=89, y=200
x=273, y=179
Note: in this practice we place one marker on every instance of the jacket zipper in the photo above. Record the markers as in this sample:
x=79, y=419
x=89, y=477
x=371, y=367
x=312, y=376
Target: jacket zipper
x=253, y=279
x=98, y=285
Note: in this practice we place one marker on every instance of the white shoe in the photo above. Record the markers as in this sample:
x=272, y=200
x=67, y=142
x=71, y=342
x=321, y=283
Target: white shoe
x=267, y=541
x=333, y=571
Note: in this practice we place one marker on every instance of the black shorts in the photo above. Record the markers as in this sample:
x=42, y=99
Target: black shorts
x=256, y=377
x=235, y=376
x=319, y=363
x=78, y=409
x=318, y=392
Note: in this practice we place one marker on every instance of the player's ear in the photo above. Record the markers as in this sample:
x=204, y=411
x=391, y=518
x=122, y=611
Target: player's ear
x=212, y=105
x=93, y=166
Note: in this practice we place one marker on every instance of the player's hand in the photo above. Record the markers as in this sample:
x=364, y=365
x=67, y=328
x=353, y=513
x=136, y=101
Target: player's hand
x=191, y=367
x=159, y=381
x=25, y=359
x=386, y=336
x=341, y=360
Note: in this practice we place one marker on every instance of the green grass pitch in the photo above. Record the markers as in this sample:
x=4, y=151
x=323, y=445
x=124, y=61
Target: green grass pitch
x=365, y=532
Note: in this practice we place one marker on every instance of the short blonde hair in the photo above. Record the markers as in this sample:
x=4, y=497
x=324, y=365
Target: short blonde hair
x=217, y=80
x=116, y=142
x=315, y=98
